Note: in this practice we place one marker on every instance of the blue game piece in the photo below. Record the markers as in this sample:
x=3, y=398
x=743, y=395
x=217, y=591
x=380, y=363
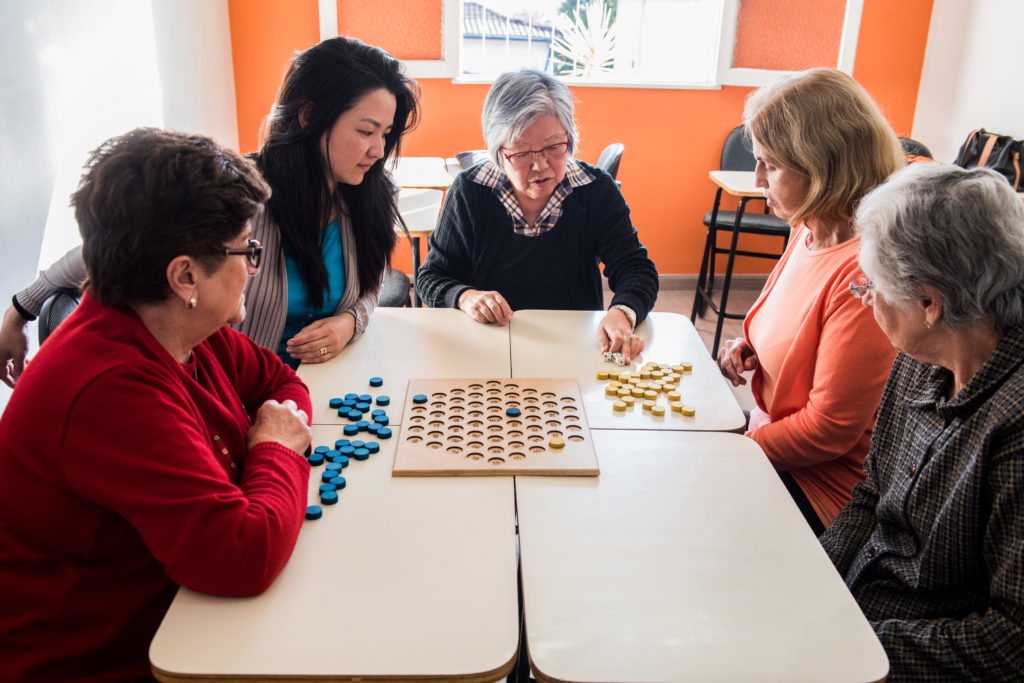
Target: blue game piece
x=316, y=459
x=334, y=403
x=356, y=444
x=321, y=449
x=349, y=403
x=513, y=412
x=330, y=455
x=365, y=398
x=354, y=415
x=384, y=433
x=339, y=482
x=346, y=450
x=342, y=460
x=383, y=400
x=373, y=446
x=314, y=512
x=382, y=420
x=343, y=411
x=362, y=407
x=376, y=381
x=419, y=398
x=327, y=474
x=329, y=497
x=374, y=428
x=340, y=442
x=350, y=430
x=351, y=397
x=379, y=411
x=362, y=424
x=328, y=487
x=361, y=454
x=333, y=466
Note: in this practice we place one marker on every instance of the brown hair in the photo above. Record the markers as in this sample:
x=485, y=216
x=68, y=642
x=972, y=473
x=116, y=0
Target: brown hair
x=149, y=196
x=822, y=124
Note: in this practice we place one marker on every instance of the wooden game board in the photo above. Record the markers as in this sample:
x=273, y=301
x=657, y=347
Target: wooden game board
x=463, y=429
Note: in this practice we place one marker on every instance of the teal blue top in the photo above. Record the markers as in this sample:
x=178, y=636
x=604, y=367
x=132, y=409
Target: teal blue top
x=299, y=312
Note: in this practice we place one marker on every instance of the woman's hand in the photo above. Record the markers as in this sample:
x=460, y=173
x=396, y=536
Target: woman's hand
x=13, y=346
x=282, y=423
x=322, y=340
x=735, y=358
x=485, y=307
x=615, y=333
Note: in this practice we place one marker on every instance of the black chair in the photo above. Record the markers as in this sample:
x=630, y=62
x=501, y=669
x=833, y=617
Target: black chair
x=915, y=148
x=394, y=290
x=610, y=158
x=737, y=155
x=57, y=306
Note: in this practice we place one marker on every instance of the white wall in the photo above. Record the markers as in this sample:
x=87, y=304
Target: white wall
x=973, y=74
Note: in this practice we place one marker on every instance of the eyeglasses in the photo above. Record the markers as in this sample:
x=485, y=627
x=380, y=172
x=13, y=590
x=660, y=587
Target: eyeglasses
x=254, y=251
x=550, y=153
x=860, y=285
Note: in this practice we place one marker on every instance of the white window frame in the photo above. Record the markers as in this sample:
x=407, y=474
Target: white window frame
x=446, y=67
x=726, y=74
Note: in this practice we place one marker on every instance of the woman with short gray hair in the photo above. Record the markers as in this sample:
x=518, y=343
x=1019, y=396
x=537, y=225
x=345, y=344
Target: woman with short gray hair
x=528, y=227
x=930, y=544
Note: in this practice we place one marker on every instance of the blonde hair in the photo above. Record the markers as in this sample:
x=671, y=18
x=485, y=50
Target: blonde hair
x=824, y=125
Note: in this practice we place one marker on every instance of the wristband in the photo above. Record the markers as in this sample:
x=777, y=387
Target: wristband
x=21, y=311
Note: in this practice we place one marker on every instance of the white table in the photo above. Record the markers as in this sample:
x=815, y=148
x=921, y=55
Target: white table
x=685, y=561
x=421, y=172
x=420, y=209
x=402, y=579
x=564, y=344
x=402, y=343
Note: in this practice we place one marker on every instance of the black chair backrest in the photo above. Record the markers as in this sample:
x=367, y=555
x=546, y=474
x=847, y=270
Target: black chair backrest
x=610, y=158
x=737, y=152
x=57, y=306
x=915, y=148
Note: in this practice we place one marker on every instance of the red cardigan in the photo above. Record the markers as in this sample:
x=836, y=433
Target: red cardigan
x=124, y=474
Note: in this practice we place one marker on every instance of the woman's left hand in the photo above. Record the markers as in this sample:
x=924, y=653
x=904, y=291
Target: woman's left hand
x=322, y=340
x=615, y=333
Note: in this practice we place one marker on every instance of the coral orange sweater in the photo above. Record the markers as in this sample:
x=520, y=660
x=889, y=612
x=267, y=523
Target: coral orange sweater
x=828, y=367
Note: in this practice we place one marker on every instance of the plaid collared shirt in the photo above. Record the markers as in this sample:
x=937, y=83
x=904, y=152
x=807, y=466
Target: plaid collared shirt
x=493, y=177
x=932, y=543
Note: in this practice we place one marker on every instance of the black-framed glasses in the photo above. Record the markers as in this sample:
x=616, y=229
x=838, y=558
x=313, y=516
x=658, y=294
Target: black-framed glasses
x=254, y=251
x=860, y=285
x=550, y=153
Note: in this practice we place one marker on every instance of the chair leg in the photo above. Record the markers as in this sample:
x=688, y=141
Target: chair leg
x=702, y=297
x=722, y=307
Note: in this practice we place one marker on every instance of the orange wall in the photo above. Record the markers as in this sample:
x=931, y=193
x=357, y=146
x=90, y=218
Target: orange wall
x=672, y=137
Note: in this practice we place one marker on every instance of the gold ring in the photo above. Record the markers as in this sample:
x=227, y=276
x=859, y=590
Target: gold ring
x=323, y=350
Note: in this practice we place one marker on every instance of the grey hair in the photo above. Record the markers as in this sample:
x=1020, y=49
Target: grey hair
x=959, y=231
x=516, y=100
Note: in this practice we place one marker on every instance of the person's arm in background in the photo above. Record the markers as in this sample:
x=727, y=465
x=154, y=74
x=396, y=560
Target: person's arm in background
x=67, y=272
x=446, y=269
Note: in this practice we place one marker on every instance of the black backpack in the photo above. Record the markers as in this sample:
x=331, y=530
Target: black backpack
x=1001, y=153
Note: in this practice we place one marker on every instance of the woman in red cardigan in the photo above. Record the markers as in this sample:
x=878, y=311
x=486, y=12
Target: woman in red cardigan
x=819, y=359
x=147, y=446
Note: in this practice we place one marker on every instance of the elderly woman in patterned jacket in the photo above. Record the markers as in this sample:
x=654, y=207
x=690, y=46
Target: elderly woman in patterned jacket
x=931, y=543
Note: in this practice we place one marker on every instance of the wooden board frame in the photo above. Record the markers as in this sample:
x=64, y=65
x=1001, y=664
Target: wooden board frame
x=464, y=430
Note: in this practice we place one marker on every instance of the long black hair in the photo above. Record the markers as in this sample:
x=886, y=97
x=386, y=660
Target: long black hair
x=323, y=83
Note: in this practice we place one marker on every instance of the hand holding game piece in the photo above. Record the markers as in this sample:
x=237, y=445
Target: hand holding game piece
x=283, y=423
x=615, y=334
x=323, y=339
x=485, y=307
x=735, y=358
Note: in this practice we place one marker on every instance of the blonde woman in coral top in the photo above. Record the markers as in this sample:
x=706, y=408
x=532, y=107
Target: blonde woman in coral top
x=818, y=358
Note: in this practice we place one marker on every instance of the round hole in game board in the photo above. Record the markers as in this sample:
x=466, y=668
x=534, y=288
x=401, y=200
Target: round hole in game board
x=515, y=423
x=474, y=456
x=438, y=405
x=572, y=418
x=419, y=409
x=494, y=418
x=474, y=444
x=515, y=444
x=439, y=394
x=535, y=438
x=414, y=439
x=513, y=404
x=474, y=434
x=514, y=434
x=511, y=385
x=455, y=429
x=516, y=455
x=536, y=449
x=493, y=383
x=553, y=423
x=494, y=400
x=548, y=394
x=476, y=413
x=497, y=438
x=435, y=435
x=456, y=419
x=496, y=450
x=476, y=395
x=456, y=410
x=495, y=429
x=417, y=418
x=476, y=404
x=476, y=387
x=496, y=461
x=511, y=395
x=576, y=437
x=475, y=423
x=495, y=409
x=551, y=413
x=415, y=429
x=574, y=428
x=533, y=418
x=494, y=392
x=570, y=409
x=532, y=409
x=456, y=400
x=550, y=404
x=458, y=392
x=554, y=432
x=531, y=399
x=437, y=413
x=435, y=445
x=533, y=429
x=436, y=424
x=454, y=450
x=529, y=390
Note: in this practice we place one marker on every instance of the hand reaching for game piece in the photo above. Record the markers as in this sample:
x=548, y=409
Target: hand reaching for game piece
x=735, y=358
x=615, y=334
x=322, y=340
x=485, y=307
x=282, y=423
